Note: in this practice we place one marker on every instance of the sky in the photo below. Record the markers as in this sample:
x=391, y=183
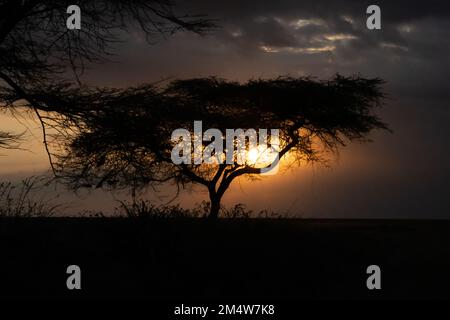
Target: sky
x=404, y=174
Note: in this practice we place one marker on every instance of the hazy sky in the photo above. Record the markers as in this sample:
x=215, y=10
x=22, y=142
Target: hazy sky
x=401, y=175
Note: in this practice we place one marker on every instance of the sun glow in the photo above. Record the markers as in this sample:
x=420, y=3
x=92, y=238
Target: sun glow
x=252, y=156
x=261, y=156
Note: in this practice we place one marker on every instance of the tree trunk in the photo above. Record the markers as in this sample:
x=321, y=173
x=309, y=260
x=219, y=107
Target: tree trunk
x=215, y=207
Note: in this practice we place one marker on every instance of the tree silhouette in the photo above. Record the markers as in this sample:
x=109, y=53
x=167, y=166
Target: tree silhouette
x=38, y=52
x=125, y=141
x=121, y=138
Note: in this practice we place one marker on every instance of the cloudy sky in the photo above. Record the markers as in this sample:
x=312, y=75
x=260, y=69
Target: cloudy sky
x=405, y=174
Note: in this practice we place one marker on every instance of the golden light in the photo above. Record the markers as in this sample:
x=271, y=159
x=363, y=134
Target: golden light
x=260, y=156
x=252, y=156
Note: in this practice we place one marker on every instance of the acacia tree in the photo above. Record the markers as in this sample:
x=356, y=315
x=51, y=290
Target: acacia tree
x=126, y=142
x=39, y=53
x=120, y=138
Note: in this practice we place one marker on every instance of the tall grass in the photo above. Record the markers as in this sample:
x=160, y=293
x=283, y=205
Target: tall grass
x=145, y=209
x=18, y=200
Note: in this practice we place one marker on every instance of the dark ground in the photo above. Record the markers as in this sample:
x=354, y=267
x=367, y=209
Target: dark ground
x=200, y=260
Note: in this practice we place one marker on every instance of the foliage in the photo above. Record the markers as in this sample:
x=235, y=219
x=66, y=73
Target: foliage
x=123, y=139
x=39, y=53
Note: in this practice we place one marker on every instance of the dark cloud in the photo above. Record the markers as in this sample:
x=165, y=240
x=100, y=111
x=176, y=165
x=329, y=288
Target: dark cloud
x=393, y=11
x=278, y=21
x=415, y=37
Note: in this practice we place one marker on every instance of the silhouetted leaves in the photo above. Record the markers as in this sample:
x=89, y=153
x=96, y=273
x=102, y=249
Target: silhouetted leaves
x=40, y=58
x=123, y=139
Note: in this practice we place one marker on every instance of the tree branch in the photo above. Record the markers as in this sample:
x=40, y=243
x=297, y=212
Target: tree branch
x=34, y=105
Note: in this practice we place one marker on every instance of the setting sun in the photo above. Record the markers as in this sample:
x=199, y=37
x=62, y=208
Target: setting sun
x=253, y=156
x=262, y=156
